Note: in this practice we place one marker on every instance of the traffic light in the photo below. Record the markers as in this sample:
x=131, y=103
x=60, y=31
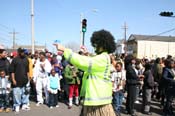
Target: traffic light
x=167, y=14
x=84, y=25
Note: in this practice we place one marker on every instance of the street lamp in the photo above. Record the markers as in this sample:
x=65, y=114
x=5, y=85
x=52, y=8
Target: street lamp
x=82, y=18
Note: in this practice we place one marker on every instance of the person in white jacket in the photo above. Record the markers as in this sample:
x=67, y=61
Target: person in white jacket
x=41, y=71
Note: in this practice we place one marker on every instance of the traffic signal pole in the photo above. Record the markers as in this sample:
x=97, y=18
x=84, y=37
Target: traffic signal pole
x=83, y=38
x=84, y=25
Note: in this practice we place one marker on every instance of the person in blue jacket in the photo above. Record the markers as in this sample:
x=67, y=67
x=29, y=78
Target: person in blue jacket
x=169, y=84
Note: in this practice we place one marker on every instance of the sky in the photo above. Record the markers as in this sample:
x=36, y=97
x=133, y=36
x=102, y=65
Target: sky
x=60, y=19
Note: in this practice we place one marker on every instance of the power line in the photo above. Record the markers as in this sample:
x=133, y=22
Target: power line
x=166, y=31
x=5, y=35
x=5, y=27
x=2, y=30
x=4, y=39
x=160, y=33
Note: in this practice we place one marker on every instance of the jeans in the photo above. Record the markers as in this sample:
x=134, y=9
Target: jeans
x=137, y=91
x=53, y=99
x=5, y=100
x=146, y=99
x=117, y=100
x=19, y=96
x=170, y=94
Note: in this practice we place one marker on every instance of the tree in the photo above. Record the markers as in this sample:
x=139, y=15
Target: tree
x=73, y=45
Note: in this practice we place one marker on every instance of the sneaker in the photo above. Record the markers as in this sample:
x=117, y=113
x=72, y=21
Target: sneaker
x=147, y=113
x=77, y=104
x=38, y=103
x=126, y=112
x=28, y=104
x=7, y=110
x=69, y=107
x=25, y=107
x=51, y=107
x=137, y=102
x=133, y=114
x=57, y=106
x=17, y=109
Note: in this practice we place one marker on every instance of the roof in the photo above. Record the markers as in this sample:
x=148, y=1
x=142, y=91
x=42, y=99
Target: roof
x=151, y=38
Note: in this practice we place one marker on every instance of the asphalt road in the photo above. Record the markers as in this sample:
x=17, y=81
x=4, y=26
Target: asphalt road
x=63, y=110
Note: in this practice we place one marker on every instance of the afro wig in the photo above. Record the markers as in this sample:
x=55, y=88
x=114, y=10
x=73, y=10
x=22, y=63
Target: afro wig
x=103, y=39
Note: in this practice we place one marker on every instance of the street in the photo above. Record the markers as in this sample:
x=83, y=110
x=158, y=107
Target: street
x=43, y=110
x=63, y=110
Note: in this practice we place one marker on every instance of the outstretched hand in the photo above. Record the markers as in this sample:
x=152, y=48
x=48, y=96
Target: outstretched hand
x=59, y=47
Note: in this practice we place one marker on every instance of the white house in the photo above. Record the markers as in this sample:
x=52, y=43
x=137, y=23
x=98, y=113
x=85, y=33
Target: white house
x=151, y=46
x=120, y=47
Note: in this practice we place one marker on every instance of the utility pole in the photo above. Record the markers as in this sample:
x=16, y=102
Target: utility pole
x=32, y=26
x=125, y=27
x=45, y=45
x=14, y=37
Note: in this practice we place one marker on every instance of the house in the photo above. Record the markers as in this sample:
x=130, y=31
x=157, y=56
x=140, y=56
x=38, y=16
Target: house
x=120, y=47
x=150, y=46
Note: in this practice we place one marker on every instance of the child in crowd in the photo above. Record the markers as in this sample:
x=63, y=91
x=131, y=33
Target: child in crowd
x=53, y=86
x=72, y=79
x=118, y=79
x=4, y=92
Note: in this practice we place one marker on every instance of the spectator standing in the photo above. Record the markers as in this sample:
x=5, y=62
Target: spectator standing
x=157, y=73
x=36, y=58
x=169, y=80
x=53, y=86
x=64, y=84
x=35, y=61
x=132, y=80
x=147, y=88
x=118, y=79
x=4, y=63
x=56, y=64
x=5, y=87
x=42, y=69
x=72, y=79
x=19, y=72
x=139, y=72
x=30, y=82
